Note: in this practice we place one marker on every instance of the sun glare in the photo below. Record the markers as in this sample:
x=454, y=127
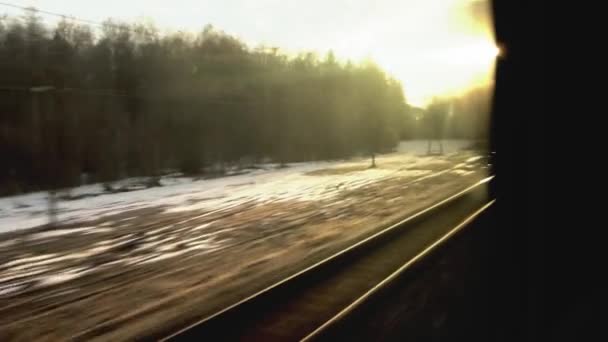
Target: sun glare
x=445, y=50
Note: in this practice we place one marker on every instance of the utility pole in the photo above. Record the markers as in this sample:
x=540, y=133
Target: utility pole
x=437, y=126
x=37, y=93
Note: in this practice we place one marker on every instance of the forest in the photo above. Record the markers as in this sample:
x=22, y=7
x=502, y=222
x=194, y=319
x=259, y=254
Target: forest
x=123, y=100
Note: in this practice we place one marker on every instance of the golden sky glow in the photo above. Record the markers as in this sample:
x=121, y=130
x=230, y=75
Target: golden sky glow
x=435, y=47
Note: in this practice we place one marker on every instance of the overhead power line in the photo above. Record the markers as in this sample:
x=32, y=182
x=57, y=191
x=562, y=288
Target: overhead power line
x=55, y=14
x=68, y=16
x=95, y=23
x=114, y=93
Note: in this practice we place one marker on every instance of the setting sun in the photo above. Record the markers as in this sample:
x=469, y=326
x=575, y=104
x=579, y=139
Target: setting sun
x=476, y=55
x=445, y=56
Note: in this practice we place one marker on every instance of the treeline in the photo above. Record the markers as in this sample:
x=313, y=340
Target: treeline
x=459, y=117
x=128, y=101
x=132, y=102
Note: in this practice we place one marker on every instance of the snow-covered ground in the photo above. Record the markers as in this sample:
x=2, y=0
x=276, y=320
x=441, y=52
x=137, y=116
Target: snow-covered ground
x=183, y=194
x=216, y=240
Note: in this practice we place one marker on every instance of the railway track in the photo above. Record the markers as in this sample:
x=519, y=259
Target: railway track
x=303, y=305
x=20, y=312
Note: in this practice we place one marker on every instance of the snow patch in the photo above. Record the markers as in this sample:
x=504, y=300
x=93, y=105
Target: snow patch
x=263, y=185
x=62, y=277
x=10, y=288
x=58, y=232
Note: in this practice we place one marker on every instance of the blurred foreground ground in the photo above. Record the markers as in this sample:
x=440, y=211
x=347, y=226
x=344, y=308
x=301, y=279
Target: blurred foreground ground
x=132, y=264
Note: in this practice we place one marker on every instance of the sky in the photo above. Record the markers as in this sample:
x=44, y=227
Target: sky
x=434, y=47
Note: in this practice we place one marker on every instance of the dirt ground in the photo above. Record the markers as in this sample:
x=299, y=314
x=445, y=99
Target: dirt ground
x=143, y=272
